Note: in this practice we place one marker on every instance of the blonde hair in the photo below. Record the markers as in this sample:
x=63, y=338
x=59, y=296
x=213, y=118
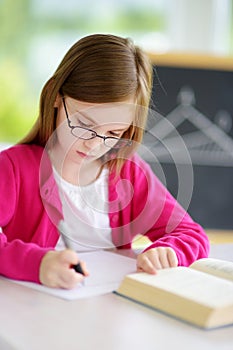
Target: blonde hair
x=98, y=68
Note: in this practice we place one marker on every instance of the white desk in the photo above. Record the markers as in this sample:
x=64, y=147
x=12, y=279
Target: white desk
x=31, y=320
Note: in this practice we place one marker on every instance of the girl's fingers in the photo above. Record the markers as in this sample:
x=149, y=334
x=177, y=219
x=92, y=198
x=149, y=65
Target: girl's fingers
x=163, y=257
x=68, y=278
x=145, y=264
x=56, y=269
x=68, y=257
x=156, y=259
x=172, y=258
x=84, y=268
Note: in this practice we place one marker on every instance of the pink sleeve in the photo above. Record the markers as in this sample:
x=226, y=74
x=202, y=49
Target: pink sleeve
x=149, y=209
x=18, y=260
x=173, y=226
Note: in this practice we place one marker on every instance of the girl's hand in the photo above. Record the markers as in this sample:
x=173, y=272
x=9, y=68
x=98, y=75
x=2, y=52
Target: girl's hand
x=156, y=259
x=56, y=269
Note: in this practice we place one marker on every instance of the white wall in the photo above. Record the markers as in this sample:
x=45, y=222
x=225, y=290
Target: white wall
x=200, y=25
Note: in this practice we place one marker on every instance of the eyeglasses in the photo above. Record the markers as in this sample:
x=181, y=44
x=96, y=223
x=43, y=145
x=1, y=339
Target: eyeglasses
x=88, y=134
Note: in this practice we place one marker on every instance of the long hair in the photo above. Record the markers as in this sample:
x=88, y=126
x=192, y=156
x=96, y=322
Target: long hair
x=98, y=68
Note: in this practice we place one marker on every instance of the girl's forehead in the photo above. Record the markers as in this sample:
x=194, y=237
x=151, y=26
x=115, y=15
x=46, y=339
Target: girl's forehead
x=104, y=113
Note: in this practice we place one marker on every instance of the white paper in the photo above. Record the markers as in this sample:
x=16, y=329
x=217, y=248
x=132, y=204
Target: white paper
x=106, y=269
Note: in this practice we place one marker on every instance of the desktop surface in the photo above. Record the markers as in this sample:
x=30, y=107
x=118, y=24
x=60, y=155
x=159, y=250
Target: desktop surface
x=32, y=320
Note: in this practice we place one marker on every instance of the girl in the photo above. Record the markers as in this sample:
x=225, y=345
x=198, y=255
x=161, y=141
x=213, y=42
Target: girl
x=79, y=164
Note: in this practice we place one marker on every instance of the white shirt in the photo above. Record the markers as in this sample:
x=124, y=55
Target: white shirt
x=85, y=210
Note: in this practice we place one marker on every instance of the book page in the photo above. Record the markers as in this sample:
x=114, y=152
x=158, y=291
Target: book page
x=190, y=284
x=216, y=267
x=106, y=269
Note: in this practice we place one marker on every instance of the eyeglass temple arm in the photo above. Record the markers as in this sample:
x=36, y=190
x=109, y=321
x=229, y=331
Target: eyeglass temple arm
x=67, y=115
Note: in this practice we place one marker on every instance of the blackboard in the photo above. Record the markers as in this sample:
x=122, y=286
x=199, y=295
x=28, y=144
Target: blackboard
x=199, y=102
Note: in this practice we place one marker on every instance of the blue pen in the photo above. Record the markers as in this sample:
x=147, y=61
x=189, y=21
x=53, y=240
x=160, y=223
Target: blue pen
x=62, y=230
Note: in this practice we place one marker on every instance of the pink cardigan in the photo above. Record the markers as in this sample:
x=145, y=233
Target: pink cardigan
x=138, y=203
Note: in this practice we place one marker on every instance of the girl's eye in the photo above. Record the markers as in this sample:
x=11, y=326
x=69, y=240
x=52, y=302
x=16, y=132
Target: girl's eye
x=78, y=120
x=82, y=124
x=115, y=134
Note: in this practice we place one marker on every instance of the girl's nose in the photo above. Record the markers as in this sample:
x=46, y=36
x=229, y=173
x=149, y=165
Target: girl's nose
x=96, y=142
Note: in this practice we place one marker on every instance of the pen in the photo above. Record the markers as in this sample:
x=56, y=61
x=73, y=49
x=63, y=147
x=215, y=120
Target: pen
x=62, y=229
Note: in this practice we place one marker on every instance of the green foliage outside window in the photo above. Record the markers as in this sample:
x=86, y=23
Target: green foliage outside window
x=20, y=24
x=18, y=106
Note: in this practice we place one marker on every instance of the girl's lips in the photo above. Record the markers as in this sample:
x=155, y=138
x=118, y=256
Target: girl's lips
x=83, y=155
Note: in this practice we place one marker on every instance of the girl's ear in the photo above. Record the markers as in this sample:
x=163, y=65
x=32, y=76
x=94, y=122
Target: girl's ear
x=57, y=102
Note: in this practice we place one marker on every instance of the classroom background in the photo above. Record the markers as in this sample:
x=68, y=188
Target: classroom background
x=191, y=46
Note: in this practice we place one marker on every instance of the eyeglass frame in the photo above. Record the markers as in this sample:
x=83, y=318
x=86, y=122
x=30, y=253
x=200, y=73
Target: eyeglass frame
x=128, y=142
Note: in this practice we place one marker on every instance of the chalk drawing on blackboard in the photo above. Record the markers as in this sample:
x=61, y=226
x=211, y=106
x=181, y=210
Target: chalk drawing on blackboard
x=207, y=142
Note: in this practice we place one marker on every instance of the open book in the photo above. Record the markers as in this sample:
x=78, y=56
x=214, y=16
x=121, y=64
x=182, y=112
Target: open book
x=201, y=294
